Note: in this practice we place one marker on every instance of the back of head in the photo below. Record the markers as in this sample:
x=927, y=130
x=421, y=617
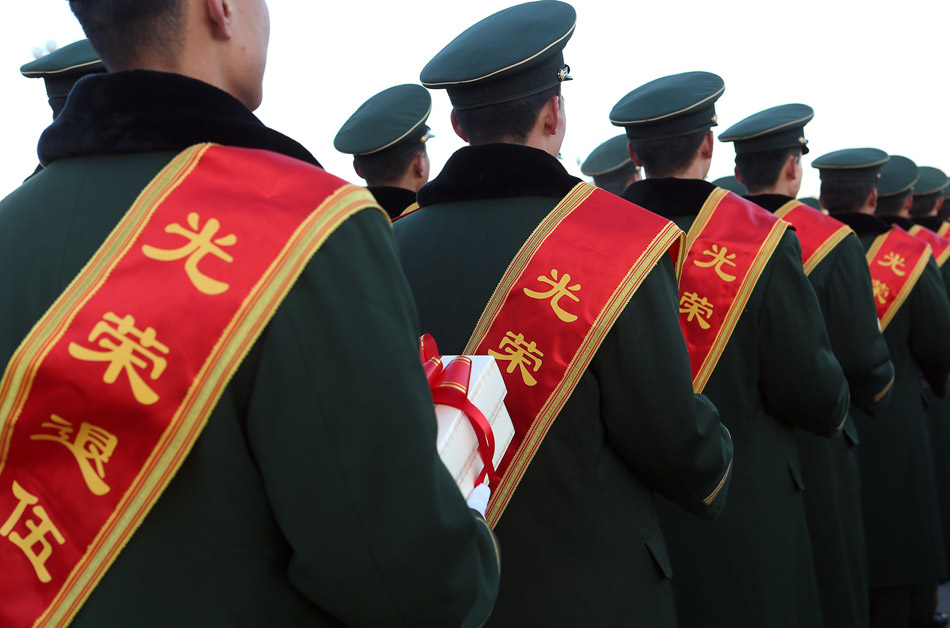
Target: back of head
x=667, y=119
x=510, y=121
x=125, y=31
x=610, y=165
x=848, y=177
x=928, y=191
x=895, y=184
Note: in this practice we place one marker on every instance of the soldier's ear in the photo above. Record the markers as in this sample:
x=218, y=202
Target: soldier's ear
x=359, y=172
x=219, y=12
x=738, y=176
x=872, y=198
x=458, y=128
x=633, y=155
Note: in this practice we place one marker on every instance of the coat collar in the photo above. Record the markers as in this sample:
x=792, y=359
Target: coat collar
x=670, y=197
x=929, y=222
x=863, y=224
x=393, y=199
x=497, y=171
x=771, y=202
x=904, y=223
x=145, y=111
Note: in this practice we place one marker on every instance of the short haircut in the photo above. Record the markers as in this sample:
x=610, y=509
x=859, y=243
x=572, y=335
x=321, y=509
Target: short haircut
x=665, y=158
x=924, y=204
x=845, y=195
x=386, y=169
x=891, y=205
x=615, y=182
x=761, y=170
x=511, y=120
x=122, y=31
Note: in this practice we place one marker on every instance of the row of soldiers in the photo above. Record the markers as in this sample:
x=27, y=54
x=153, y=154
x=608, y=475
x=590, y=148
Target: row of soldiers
x=729, y=409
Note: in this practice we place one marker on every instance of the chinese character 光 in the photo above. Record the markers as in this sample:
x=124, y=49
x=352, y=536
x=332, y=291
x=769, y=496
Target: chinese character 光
x=894, y=261
x=519, y=353
x=38, y=530
x=200, y=243
x=719, y=256
x=92, y=447
x=881, y=291
x=698, y=308
x=559, y=289
x=126, y=349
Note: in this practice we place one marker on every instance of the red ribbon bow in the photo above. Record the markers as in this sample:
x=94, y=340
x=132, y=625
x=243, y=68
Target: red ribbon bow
x=449, y=385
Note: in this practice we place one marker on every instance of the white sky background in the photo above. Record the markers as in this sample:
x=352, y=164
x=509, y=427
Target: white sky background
x=874, y=71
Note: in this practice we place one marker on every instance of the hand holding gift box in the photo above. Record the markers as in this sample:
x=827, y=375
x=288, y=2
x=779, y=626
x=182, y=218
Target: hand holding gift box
x=474, y=427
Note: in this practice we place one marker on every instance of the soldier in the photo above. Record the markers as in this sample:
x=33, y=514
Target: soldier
x=581, y=316
x=758, y=348
x=926, y=201
x=905, y=548
x=387, y=137
x=62, y=68
x=769, y=147
x=611, y=166
x=182, y=269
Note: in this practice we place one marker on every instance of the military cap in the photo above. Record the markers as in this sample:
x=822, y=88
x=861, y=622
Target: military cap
x=898, y=176
x=393, y=122
x=609, y=157
x=772, y=129
x=62, y=68
x=512, y=54
x=812, y=202
x=732, y=184
x=851, y=164
x=672, y=106
x=930, y=181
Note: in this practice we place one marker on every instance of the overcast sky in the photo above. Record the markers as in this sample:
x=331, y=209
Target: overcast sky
x=875, y=72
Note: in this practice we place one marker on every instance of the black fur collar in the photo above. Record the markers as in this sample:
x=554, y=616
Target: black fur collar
x=771, y=202
x=903, y=223
x=863, y=224
x=930, y=222
x=497, y=171
x=144, y=111
x=669, y=198
x=394, y=200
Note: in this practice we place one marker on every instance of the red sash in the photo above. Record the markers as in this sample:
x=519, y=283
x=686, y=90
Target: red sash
x=896, y=260
x=818, y=233
x=409, y=210
x=103, y=400
x=554, y=306
x=728, y=247
x=939, y=245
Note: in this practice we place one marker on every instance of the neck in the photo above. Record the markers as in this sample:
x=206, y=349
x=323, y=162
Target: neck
x=696, y=170
x=783, y=188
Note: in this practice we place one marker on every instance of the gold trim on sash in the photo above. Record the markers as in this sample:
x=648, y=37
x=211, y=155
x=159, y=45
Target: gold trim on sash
x=934, y=240
x=822, y=250
x=880, y=275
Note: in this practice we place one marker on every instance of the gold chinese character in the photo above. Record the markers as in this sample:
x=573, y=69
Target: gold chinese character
x=698, y=308
x=92, y=448
x=38, y=531
x=519, y=353
x=881, y=291
x=200, y=243
x=719, y=256
x=894, y=261
x=559, y=289
x=125, y=355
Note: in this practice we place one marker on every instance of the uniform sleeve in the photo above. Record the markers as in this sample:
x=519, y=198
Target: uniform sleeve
x=930, y=328
x=847, y=304
x=800, y=380
x=343, y=428
x=671, y=438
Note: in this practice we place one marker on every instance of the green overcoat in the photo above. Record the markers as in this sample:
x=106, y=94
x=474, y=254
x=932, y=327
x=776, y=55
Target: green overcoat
x=904, y=537
x=309, y=499
x=753, y=566
x=830, y=469
x=581, y=540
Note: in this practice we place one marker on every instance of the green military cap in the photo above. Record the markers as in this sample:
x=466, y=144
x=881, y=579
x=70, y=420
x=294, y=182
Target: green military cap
x=392, y=122
x=62, y=68
x=812, y=202
x=930, y=181
x=898, y=176
x=672, y=106
x=512, y=54
x=607, y=158
x=851, y=164
x=732, y=184
x=772, y=129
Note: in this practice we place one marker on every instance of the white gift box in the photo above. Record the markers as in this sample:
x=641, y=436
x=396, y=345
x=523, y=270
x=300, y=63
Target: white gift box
x=456, y=440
